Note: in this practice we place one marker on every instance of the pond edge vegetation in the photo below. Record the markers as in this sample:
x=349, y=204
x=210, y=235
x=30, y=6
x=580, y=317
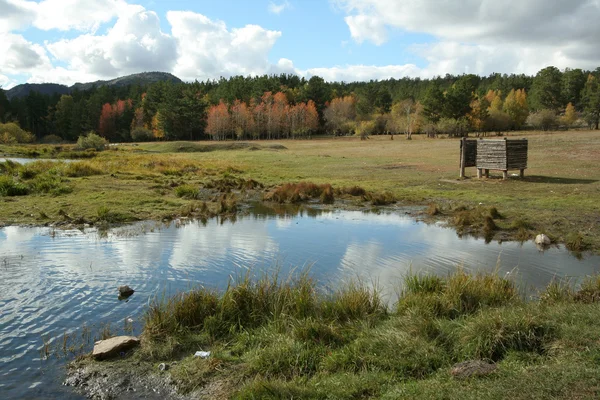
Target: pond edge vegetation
x=274, y=337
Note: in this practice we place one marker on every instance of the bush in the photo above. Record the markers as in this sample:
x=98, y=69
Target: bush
x=79, y=169
x=142, y=135
x=453, y=127
x=11, y=133
x=187, y=192
x=91, y=141
x=8, y=187
x=544, y=119
x=52, y=139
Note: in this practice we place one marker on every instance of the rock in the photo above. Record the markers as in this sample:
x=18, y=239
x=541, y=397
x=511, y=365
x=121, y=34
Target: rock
x=473, y=368
x=125, y=291
x=114, y=346
x=542, y=240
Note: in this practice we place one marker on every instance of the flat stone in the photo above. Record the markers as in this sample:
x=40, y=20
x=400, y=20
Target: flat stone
x=473, y=368
x=542, y=240
x=109, y=348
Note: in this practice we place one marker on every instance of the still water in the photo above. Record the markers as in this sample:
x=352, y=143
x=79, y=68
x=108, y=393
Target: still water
x=56, y=282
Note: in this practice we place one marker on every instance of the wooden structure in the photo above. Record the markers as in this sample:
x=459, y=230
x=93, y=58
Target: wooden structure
x=468, y=155
x=502, y=155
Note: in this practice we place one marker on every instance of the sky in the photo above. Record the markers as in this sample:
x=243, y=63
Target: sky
x=69, y=41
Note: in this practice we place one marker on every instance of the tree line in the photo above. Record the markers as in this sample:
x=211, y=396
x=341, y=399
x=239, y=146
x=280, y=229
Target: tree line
x=289, y=106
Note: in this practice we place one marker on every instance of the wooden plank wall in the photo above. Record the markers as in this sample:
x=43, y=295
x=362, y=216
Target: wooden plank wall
x=516, y=151
x=491, y=154
x=502, y=154
x=471, y=153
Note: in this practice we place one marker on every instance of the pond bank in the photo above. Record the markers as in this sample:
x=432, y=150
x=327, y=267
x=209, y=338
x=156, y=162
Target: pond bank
x=277, y=338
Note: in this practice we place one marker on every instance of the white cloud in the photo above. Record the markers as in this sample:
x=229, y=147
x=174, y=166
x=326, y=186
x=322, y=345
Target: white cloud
x=16, y=14
x=277, y=9
x=81, y=15
x=351, y=73
x=484, y=36
x=134, y=44
x=21, y=56
x=365, y=27
x=208, y=49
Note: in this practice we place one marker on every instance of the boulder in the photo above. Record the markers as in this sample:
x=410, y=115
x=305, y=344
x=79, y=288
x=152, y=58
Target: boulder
x=109, y=348
x=473, y=368
x=125, y=291
x=542, y=240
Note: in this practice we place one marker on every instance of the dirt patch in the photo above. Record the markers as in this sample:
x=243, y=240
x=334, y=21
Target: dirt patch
x=395, y=166
x=120, y=380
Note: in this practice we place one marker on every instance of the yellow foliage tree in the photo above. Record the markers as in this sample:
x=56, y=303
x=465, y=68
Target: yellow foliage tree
x=479, y=113
x=570, y=116
x=494, y=98
x=157, y=130
x=515, y=105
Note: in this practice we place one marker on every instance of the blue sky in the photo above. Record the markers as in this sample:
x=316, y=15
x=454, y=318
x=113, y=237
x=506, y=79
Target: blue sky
x=66, y=41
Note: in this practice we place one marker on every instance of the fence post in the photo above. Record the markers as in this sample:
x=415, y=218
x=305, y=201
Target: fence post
x=463, y=156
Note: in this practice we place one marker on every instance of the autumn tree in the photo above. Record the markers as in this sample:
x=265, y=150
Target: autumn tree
x=107, y=126
x=241, y=119
x=515, y=105
x=218, y=123
x=570, y=116
x=340, y=114
x=479, y=113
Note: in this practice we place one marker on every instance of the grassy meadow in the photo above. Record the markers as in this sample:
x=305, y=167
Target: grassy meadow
x=559, y=195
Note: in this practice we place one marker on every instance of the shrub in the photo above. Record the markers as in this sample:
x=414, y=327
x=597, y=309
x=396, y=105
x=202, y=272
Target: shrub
x=142, y=135
x=544, y=119
x=299, y=192
x=51, y=139
x=453, y=127
x=187, y=191
x=12, y=133
x=8, y=187
x=79, y=169
x=381, y=199
x=91, y=141
x=352, y=191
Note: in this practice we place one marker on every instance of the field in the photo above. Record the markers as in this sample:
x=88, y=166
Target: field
x=559, y=195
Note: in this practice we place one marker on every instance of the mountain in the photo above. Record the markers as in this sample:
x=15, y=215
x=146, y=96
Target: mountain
x=143, y=78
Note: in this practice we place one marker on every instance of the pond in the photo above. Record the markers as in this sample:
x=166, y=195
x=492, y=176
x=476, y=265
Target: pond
x=57, y=282
x=30, y=160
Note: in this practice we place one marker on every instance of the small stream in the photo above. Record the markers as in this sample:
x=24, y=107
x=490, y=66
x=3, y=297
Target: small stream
x=55, y=282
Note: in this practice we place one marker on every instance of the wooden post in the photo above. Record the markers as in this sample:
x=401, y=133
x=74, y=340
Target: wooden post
x=522, y=173
x=487, y=173
x=463, y=156
x=479, y=173
x=505, y=174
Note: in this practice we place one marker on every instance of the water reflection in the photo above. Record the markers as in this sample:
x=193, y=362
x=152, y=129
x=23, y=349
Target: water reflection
x=57, y=281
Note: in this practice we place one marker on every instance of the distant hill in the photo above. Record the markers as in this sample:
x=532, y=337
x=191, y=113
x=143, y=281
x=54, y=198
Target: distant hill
x=143, y=78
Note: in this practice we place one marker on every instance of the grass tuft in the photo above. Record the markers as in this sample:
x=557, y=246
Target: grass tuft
x=187, y=192
x=490, y=335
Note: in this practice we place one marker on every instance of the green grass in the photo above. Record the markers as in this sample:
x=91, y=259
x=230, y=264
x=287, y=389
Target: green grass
x=281, y=338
